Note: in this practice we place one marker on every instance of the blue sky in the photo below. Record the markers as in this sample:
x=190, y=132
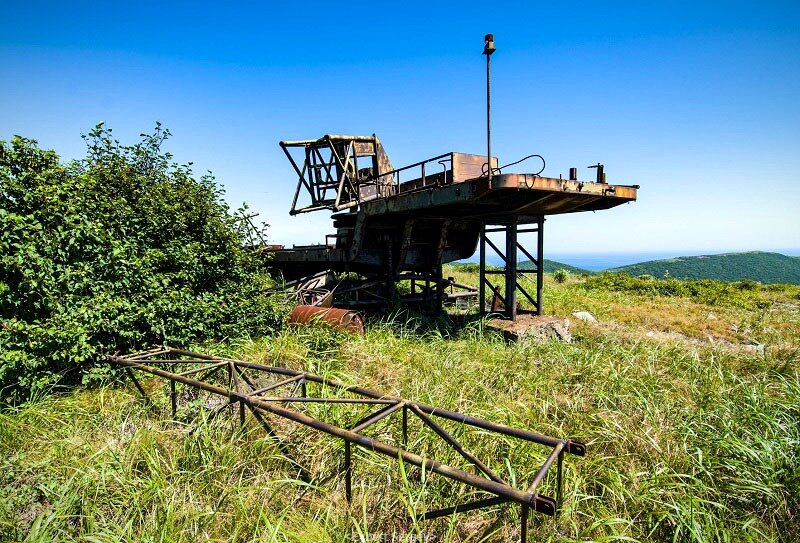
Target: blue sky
x=697, y=102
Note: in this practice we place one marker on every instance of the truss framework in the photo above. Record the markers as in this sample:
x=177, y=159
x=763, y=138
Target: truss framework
x=256, y=387
x=504, y=301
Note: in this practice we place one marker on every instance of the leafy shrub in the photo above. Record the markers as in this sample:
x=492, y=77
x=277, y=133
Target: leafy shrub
x=706, y=291
x=120, y=250
x=746, y=284
x=560, y=275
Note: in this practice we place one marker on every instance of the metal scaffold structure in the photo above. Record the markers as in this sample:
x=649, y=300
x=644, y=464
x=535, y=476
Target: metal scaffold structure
x=269, y=393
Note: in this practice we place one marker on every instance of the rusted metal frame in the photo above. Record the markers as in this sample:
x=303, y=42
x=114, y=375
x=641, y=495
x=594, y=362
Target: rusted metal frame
x=236, y=376
x=343, y=165
x=363, y=285
x=462, y=508
x=173, y=397
x=542, y=504
x=172, y=361
x=199, y=370
x=361, y=425
x=315, y=164
x=540, y=268
x=511, y=271
x=573, y=447
x=379, y=415
x=404, y=427
x=138, y=386
x=330, y=182
x=520, y=288
x=523, y=529
x=276, y=385
x=453, y=442
x=348, y=472
x=313, y=399
x=304, y=474
x=353, y=155
x=300, y=384
x=155, y=351
x=398, y=170
x=530, y=256
x=496, y=250
x=301, y=176
x=539, y=477
x=319, y=183
x=408, y=228
x=289, y=284
x=495, y=290
x=482, y=270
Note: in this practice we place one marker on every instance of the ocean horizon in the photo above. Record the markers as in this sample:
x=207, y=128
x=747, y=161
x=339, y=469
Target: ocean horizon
x=604, y=261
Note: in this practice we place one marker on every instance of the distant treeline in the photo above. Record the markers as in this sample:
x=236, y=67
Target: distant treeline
x=758, y=266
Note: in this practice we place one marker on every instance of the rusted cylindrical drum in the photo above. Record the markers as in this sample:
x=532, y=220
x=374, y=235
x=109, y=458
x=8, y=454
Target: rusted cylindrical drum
x=340, y=319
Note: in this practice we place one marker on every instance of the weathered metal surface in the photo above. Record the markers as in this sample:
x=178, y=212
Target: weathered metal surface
x=248, y=383
x=338, y=172
x=420, y=216
x=413, y=222
x=437, y=216
x=340, y=319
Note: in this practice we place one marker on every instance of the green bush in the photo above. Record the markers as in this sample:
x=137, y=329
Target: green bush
x=120, y=250
x=560, y=275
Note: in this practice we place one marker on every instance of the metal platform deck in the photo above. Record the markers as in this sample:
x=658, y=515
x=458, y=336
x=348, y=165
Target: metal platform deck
x=393, y=225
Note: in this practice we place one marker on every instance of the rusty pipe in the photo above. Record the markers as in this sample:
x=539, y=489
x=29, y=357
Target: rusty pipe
x=338, y=319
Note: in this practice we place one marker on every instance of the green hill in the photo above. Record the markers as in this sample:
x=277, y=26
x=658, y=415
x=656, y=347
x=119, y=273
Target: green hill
x=757, y=266
x=551, y=265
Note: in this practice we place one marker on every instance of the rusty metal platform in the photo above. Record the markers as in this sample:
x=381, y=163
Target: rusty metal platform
x=441, y=222
x=394, y=223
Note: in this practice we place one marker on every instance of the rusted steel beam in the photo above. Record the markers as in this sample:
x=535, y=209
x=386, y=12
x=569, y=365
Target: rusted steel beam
x=259, y=406
x=492, y=484
x=453, y=442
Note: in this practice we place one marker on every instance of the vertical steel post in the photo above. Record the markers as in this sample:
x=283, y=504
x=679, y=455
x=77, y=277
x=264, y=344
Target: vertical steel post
x=539, y=263
x=488, y=49
x=523, y=529
x=173, y=396
x=439, y=287
x=348, y=468
x=559, y=481
x=482, y=271
x=511, y=270
x=405, y=427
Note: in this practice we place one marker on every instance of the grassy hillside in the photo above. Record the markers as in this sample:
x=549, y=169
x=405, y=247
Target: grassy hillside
x=756, y=266
x=549, y=267
x=692, y=431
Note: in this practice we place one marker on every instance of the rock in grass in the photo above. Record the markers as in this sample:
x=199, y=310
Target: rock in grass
x=584, y=316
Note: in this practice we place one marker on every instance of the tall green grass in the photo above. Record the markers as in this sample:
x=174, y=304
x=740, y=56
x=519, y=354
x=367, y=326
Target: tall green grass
x=687, y=442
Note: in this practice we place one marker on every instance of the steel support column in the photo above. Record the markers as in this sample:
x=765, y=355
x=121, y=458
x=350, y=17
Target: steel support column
x=510, y=309
x=509, y=295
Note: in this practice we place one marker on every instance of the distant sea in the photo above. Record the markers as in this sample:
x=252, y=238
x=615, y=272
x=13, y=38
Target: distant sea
x=604, y=261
